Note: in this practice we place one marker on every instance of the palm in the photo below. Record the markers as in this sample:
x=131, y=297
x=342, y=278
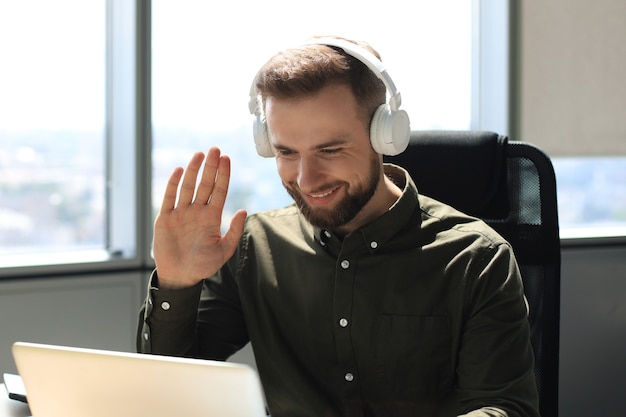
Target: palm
x=188, y=240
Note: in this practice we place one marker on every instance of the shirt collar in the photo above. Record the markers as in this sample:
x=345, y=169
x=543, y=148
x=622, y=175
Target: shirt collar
x=378, y=232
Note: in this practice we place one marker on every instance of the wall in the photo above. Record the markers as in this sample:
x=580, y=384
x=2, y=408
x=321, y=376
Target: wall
x=94, y=311
x=569, y=75
x=569, y=97
x=593, y=332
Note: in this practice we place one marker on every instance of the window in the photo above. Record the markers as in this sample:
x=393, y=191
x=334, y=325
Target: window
x=204, y=59
x=52, y=173
x=79, y=170
x=591, y=196
x=72, y=134
x=570, y=95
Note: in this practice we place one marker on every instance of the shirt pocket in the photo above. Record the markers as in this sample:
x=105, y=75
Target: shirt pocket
x=413, y=354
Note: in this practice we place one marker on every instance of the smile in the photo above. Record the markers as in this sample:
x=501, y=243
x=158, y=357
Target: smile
x=321, y=198
x=322, y=195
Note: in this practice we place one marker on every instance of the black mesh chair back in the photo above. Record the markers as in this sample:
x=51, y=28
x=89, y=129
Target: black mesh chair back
x=512, y=187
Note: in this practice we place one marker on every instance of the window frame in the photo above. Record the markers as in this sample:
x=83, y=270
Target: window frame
x=128, y=132
x=128, y=230
x=590, y=236
x=491, y=66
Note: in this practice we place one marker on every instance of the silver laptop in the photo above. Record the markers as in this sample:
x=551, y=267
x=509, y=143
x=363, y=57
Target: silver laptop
x=76, y=382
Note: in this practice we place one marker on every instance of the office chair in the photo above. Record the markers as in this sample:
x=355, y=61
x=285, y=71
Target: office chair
x=511, y=186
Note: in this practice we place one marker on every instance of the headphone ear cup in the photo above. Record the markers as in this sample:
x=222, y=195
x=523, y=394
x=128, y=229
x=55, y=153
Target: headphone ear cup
x=261, y=137
x=390, y=130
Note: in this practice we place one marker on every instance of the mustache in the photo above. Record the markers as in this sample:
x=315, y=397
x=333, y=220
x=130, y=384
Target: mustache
x=292, y=185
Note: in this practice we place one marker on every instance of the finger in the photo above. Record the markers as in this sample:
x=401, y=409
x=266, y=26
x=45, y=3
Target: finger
x=188, y=186
x=207, y=182
x=171, y=190
x=220, y=190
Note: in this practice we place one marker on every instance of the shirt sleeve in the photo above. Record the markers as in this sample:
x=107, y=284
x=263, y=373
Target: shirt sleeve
x=495, y=364
x=204, y=321
x=167, y=320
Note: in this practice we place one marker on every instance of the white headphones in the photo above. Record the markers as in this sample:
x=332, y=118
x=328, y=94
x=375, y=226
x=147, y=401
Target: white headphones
x=390, y=128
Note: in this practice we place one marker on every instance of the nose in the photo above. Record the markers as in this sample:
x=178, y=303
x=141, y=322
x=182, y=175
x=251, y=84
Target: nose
x=309, y=174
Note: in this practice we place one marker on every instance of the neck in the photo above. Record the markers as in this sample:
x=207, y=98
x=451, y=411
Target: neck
x=386, y=195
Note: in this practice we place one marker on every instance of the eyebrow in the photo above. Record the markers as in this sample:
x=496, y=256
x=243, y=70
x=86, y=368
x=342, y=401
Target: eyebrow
x=330, y=144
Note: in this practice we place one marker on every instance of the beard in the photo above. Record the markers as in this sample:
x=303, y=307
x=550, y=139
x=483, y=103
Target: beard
x=345, y=209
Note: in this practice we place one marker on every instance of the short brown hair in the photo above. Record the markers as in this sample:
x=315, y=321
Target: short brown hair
x=305, y=70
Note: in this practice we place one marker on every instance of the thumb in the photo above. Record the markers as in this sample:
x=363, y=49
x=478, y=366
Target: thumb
x=234, y=232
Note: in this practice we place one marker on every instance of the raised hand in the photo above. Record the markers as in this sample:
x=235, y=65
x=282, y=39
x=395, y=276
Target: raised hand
x=188, y=243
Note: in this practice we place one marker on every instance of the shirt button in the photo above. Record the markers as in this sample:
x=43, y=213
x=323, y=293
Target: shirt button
x=345, y=264
x=343, y=323
x=349, y=377
x=165, y=305
x=373, y=244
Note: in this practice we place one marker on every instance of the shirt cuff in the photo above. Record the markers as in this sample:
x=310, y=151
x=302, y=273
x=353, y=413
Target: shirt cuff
x=172, y=304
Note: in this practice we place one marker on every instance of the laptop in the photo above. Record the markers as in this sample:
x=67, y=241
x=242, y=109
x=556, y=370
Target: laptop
x=63, y=381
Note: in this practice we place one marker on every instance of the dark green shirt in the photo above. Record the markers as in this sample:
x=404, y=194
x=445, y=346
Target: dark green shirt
x=419, y=313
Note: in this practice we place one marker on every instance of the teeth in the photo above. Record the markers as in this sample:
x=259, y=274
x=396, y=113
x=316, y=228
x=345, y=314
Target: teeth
x=321, y=195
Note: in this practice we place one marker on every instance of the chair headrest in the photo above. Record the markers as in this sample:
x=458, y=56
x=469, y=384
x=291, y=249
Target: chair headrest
x=465, y=169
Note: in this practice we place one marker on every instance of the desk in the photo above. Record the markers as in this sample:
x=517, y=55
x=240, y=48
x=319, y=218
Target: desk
x=11, y=408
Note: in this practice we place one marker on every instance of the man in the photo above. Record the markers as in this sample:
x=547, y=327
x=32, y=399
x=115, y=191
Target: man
x=362, y=299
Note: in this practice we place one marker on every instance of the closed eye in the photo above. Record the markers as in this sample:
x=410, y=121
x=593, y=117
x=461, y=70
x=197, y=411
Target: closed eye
x=284, y=152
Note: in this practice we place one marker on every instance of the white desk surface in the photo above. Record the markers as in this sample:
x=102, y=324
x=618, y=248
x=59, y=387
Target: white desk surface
x=11, y=408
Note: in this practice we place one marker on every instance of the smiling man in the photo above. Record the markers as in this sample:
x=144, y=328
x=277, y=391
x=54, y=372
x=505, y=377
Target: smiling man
x=325, y=160
x=364, y=298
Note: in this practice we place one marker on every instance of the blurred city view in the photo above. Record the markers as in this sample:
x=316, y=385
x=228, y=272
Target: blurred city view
x=591, y=196
x=254, y=182
x=53, y=193
x=52, y=190
x=53, y=158
x=53, y=184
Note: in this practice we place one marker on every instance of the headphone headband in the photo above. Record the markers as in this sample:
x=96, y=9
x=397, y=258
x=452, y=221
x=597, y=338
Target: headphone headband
x=370, y=60
x=390, y=127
